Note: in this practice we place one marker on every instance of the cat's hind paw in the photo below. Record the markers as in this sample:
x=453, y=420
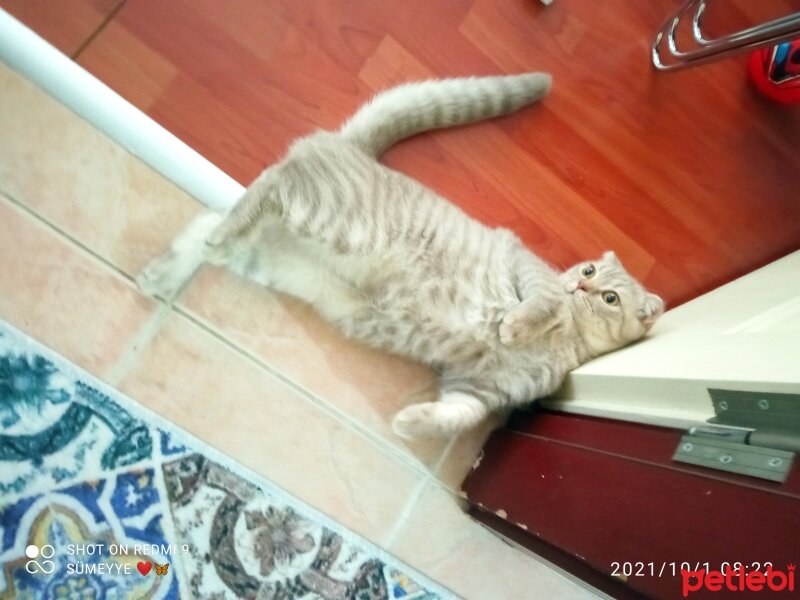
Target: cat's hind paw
x=163, y=276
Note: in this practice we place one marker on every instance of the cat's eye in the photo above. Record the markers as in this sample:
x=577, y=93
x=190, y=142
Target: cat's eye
x=588, y=271
x=611, y=298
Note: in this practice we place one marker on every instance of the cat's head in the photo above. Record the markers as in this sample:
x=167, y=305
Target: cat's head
x=610, y=307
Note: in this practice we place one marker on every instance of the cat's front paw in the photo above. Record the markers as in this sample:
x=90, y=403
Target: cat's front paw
x=160, y=277
x=512, y=329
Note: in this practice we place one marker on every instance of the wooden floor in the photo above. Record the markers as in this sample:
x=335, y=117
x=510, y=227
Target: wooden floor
x=690, y=177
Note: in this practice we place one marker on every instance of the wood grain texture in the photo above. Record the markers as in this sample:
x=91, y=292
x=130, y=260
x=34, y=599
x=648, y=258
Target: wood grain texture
x=691, y=177
x=66, y=24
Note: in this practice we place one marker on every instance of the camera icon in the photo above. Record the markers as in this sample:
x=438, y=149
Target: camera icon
x=45, y=566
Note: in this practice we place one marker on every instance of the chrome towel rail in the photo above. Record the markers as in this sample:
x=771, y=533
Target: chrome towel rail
x=707, y=49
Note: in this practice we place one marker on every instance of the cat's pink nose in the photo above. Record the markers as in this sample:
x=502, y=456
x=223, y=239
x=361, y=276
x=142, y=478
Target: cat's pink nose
x=583, y=285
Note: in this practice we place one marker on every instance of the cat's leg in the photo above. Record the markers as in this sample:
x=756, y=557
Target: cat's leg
x=261, y=199
x=166, y=274
x=458, y=409
x=302, y=268
x=211, y=236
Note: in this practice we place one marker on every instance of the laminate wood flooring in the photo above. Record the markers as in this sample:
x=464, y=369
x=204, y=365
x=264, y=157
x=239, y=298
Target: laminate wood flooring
x=691, y=177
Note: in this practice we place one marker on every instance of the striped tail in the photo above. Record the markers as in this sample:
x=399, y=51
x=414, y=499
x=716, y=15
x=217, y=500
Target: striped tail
x=411, y=108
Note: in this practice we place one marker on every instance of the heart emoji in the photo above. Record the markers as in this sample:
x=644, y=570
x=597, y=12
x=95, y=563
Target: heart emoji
x=144, y=567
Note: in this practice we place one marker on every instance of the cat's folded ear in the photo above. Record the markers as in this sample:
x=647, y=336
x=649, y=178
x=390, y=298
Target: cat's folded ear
x=652, y=308
x=611, y=257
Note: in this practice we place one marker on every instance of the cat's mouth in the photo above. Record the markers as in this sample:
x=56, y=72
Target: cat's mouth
x=581, y=300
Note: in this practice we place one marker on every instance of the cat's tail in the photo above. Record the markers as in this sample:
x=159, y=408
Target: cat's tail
x=411, y=108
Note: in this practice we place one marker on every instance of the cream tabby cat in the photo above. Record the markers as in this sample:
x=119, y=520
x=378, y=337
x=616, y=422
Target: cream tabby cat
x=396, y=266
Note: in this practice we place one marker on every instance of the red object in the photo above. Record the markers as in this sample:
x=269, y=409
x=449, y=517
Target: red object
x=775, y=72
x=601, y=497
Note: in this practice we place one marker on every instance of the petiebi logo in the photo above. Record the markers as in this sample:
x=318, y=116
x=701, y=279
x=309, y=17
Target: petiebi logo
x=737, y=580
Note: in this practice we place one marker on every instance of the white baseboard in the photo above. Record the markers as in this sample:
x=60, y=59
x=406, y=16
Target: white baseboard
x=79, y=90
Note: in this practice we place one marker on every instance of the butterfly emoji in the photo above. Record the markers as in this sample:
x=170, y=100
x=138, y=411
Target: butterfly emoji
x=161, y=569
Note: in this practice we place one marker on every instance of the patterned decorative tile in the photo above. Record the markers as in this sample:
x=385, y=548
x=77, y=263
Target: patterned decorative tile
x=99, y=517
x=263, y=547
x=100, y=498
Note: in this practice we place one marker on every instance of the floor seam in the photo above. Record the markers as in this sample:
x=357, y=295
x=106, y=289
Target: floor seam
x=146, y=333
x=149, y=330
x=93, y=35
x=342, y=417
x=139, y=342
x=65, y=235
x=437, y=466
x=405, y=515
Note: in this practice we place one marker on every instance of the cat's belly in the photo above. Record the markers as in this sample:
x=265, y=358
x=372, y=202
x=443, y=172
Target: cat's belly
x=436, y=333
x=464, y=341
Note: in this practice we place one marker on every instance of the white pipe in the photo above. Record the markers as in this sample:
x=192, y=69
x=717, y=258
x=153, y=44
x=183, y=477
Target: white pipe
x=76, y=88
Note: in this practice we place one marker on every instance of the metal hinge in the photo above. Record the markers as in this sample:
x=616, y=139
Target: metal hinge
x=753, y=434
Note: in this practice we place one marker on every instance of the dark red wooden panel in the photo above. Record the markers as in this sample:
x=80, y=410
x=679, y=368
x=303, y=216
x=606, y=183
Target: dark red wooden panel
x=605, y=508
x=655, y=445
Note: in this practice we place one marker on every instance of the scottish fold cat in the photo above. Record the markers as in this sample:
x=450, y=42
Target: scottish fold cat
x=396, y=266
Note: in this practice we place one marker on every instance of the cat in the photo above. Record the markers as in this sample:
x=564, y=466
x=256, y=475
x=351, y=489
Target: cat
x=392, y=264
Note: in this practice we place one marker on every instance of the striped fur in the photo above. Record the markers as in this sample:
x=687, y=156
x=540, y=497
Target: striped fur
x=414, y=107
x=398, y=267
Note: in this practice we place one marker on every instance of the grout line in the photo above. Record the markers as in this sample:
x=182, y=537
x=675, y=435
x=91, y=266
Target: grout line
x=437, y=466
x=456, y=493
x=142, y=338
x=405, y=515
x=61, y=233
x=150, y=329
x=377, y=440
x=217, y=189
x=147, y=331
x=146, y=334
x=108, y=18
x=413, y=503
x=225, y=461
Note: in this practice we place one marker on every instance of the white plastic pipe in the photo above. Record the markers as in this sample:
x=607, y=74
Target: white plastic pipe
x=76, y=88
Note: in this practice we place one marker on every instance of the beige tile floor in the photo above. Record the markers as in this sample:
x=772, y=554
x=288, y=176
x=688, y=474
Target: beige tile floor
x=256, y=375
